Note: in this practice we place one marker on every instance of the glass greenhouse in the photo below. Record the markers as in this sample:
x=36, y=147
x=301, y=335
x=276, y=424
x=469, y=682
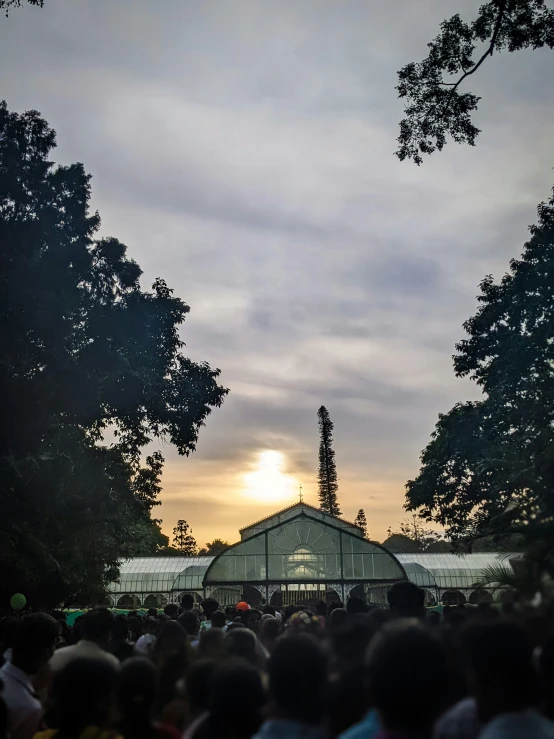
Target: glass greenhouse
x=297, y=555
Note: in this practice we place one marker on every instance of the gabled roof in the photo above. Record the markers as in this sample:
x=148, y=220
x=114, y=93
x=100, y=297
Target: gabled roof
x=295, y=505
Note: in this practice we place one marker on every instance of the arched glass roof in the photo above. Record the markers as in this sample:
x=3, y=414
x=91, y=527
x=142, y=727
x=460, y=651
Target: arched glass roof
x=449, y=571
x=160, y=574
x=304, y=549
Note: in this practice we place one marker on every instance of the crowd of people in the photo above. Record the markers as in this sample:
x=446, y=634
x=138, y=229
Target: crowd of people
x=354, y=671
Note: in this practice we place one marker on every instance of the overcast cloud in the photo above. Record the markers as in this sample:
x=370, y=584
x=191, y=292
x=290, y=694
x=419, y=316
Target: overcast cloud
x=244, y=151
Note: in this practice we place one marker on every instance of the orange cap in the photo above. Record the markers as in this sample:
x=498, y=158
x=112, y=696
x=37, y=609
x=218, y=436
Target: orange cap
x=243, y=606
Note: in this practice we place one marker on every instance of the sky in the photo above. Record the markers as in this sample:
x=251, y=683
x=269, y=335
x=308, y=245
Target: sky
x=243, y=150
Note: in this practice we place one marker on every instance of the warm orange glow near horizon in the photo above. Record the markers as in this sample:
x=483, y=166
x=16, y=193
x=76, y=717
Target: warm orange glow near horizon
x=268, y=482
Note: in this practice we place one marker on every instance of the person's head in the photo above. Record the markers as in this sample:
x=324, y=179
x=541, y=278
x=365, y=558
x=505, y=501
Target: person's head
x=356, y=605
x=433, y=619
x=396, y=661
x=209, y=606
x=151, y=613
x=190, y=623
x=337, y=618
x=151, y=626
x=268, y=610
x=218, y=619
x=237, y=700
x=82, y=691
x=269, y=632
x=34, y=641
x=297, y=671
x=241, y=642
x=97, y=625
x=406, y=600
x=231, y=613
x=135, y=627
x=172, y=655
x=136, y=691
x=212, y=644
x=351, y=641
x=187, y=602
x=172, y=610
x=199, y=685
x=120, y=628
x=500, y=669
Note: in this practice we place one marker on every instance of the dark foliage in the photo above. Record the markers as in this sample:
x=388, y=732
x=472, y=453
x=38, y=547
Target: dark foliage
x=435, y=105
x=327, y=473
x=489, y=466
x=84, y=353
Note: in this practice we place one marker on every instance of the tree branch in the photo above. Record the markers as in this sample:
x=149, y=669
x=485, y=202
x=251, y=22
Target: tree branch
x=488, y=52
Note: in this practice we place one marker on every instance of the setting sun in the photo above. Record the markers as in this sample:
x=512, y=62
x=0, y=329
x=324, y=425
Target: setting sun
x=268, y=482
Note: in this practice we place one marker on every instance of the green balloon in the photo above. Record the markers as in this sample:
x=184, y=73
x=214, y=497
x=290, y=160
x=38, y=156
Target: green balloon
x=18, y=602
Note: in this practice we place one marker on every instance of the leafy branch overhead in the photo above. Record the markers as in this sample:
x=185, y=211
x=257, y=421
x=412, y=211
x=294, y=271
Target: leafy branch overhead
x=436, y=105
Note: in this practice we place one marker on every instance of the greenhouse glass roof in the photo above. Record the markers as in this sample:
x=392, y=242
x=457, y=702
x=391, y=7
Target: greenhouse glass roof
x=449, y=571
x=304, y=549
x=160, y=574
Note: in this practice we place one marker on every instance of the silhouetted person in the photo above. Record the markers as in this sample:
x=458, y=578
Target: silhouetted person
x=406, y=600
x=120, y=646
x=136, y=697
x=82, y=692
x=297, y=672
x=237, y=700
x=218, y=619
x=97, y=626
x=187, y=602
x=407, y=678
x=32, y=647
x=502, y=677
x=172, y=610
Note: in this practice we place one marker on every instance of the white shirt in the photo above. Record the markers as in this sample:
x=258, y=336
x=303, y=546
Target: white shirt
x=145, y=642
x=24, y=708
x=83, y=648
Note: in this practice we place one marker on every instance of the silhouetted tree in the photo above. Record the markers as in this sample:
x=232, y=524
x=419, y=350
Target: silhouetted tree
x=213, y=548
x=327, y=473
x=83, y=351
x=361, y=521
x=435, y=106
x=183, y=540
x=7, y=4
x=488, y=469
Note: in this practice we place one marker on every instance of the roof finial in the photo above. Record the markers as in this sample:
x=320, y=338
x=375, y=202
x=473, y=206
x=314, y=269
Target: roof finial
x=301, y=496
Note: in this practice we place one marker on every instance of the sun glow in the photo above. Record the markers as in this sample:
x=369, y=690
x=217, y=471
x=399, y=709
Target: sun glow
x=268, y=482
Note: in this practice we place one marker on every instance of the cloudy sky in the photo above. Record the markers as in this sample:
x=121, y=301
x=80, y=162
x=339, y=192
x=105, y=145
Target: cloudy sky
x=243, y=150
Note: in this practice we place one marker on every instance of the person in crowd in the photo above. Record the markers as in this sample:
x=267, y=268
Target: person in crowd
x=136, y=696
x=337, y=618
x=187, y=602
x=191, y=625
x=504, y=681
x=407, y=698
x=120, y=646
x=152, y=613
x=237, y=701
x=406, y=600
x=8, y=630
x=172, y=655
x=269, y=633
x=33, y=645
x=82, y=692
x=171, y=610
x=134, y=624
x=242, y=643
x=97, y=625
x=144, y=643
x=209, y=607
x=218, y=620
x=199, y=693
x=297, y=672
x=212, y=645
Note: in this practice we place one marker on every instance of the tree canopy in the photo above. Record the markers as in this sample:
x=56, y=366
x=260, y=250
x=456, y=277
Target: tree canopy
x=183, y=540
x=214, y=548
x=488, y=468
x=91, y=372
x=361, y=521
x=327, y=471
x=436, y=106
